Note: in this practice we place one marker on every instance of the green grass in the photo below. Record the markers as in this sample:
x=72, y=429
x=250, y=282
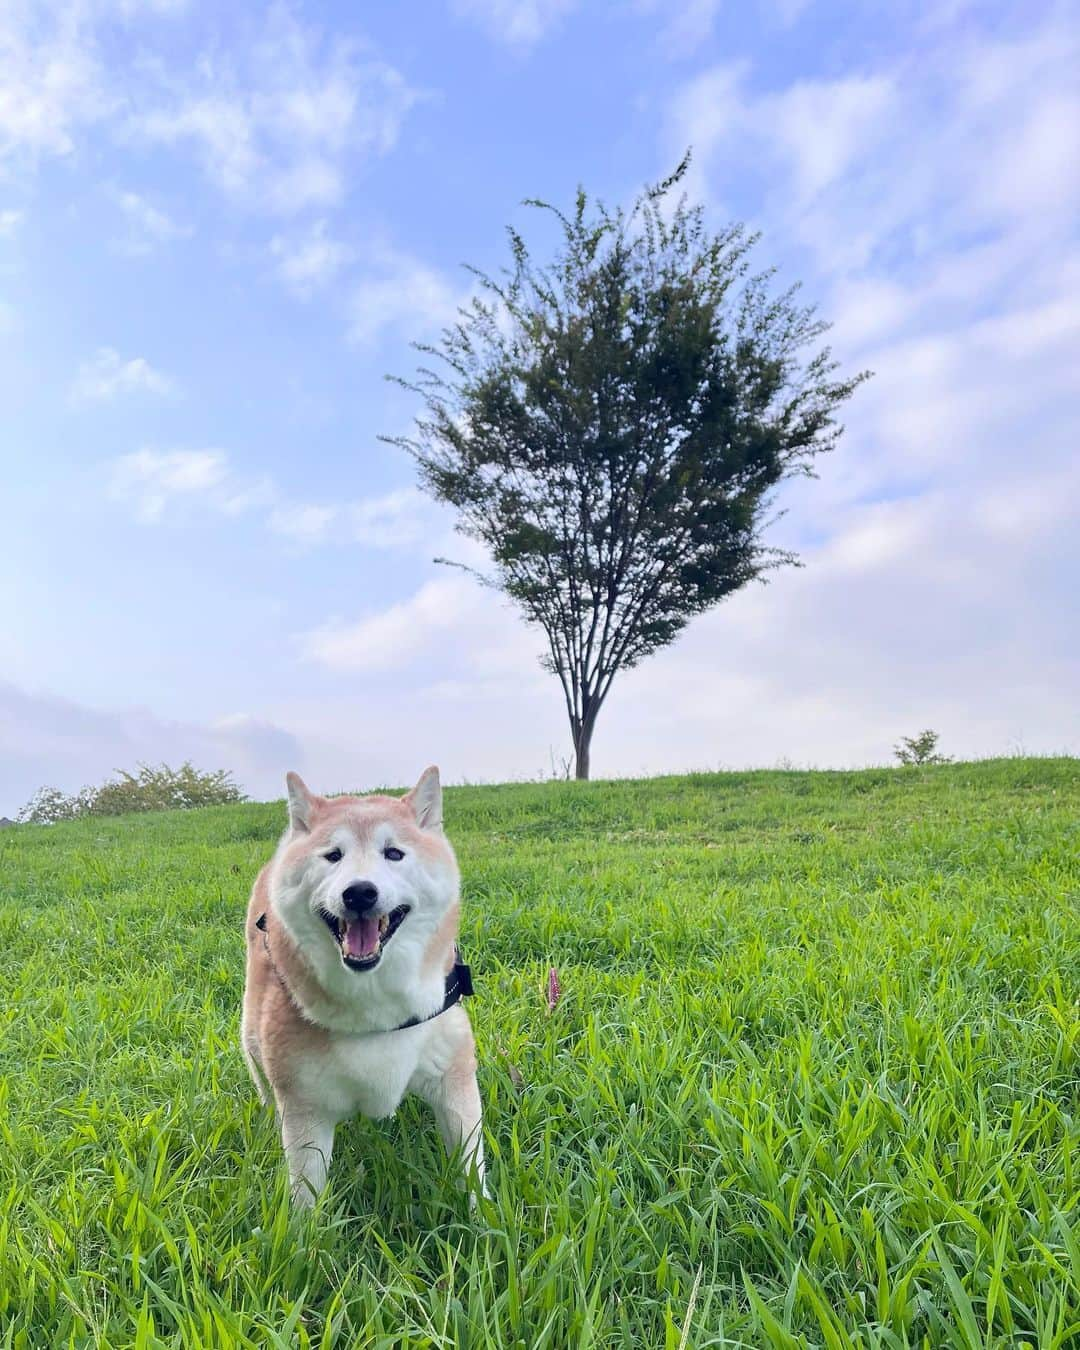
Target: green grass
x=812, y=1080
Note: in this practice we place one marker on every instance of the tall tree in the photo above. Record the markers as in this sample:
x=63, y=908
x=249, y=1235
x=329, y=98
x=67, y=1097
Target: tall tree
x=611, y=427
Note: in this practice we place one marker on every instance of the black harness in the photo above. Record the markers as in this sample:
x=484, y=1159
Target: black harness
x=458, y=981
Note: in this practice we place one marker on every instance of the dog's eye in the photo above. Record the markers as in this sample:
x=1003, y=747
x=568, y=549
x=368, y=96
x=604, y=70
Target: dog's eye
x=333, y=856
x=392, y=854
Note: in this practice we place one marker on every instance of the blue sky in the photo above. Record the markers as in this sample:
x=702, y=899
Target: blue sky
x=221, y=226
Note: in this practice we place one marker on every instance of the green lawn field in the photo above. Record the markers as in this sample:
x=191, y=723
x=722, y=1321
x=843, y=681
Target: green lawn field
x=812, y=1079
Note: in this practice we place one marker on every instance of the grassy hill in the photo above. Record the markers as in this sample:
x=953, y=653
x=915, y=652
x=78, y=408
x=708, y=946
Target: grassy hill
x=812, y=1079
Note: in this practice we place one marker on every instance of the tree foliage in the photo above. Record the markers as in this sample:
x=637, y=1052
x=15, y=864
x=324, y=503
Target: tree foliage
x=920, y=749
x=610, y=427
x=150, y=788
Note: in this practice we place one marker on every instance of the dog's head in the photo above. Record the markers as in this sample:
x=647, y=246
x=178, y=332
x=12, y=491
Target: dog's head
x=365, y=881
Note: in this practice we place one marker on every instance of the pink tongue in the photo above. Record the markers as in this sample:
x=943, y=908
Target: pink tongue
x=361, y=937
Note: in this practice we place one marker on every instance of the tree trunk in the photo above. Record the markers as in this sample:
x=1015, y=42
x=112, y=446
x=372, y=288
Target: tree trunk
x=581, y=756
x=582, y=734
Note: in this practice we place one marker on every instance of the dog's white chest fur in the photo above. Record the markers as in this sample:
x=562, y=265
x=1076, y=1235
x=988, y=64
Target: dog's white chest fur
x=366, y=1074
x=371, y=1074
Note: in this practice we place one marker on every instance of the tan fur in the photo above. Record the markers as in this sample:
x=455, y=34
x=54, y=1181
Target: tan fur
x=281, y=1033
x=439, y=954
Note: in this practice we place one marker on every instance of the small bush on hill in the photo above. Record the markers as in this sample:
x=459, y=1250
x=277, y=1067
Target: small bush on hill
x=920, y=749
x=150, y=788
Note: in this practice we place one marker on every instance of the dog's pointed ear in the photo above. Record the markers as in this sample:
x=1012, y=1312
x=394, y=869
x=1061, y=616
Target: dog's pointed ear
x=301, y=803
x=425, y=800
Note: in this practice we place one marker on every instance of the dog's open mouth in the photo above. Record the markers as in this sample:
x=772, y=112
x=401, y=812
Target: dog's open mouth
x=362, y=940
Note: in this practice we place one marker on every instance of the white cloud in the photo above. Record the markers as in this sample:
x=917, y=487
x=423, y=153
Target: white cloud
x=690, y=24
x=222, y=130
x=805, y=137
x=452, y=631
x=955, y=404
x=148, y=226
x=140, y=8
x=278, y=131
x=50, y=78
x=390, y=521
x=149, y=480
x=153, y=482
x=398, y=518
x=393, y=637
x=823, y=127
x=787, y=12
x=108, y=376
x=277, y=128
x=687, y=23
x=401, y=294
x=518, y=23
x=889, y=182
x=315, y=182
x=310, y=260
x=303, y=521
x=906, y=161
x=10, y=220
x=51, y=741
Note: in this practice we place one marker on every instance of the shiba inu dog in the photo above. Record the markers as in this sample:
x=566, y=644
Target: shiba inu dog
x=350, y=997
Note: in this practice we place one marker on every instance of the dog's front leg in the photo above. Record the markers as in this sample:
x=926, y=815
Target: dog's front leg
x=455, y=1099
x=307, y=1137
x=460, y=1123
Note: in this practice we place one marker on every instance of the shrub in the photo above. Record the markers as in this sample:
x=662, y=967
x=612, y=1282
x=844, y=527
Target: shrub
x=150, y=788
x=47, y=806
x=920, y=749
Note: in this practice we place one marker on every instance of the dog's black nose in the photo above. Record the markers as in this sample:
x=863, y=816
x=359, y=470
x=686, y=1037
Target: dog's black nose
x=360, y=896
